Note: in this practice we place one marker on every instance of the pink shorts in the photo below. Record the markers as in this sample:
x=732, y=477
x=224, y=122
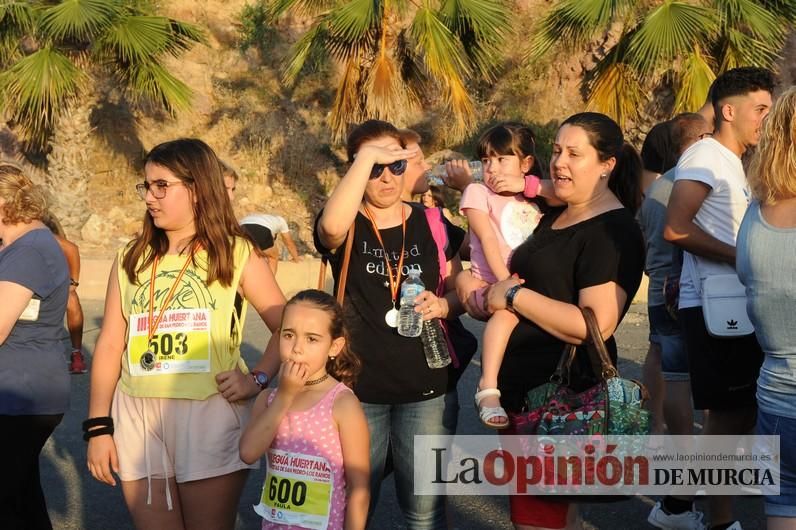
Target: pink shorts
x=184, y=438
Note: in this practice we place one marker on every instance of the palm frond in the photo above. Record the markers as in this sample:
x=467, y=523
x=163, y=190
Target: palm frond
x=616, y=91
x=136, y=38
x=443, y=54
x=183, y=37
x=78, y=19
x=348, y=107
x=152, y=82
x=388, y=96
x=16, y=16
x=482, y=27
x=352, y=21
x=750, y=17
x=573, y=22
x=696, y=76
x=16, y=20
x=411, y=64
x=786, y=9
x=461, y=106
x=738, y=49
x=37, y=89
x=446, y=62
x=669, y=31
x=310, y=42
x=302, y=8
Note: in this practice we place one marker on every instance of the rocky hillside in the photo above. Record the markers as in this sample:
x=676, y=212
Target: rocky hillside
x=277, y=138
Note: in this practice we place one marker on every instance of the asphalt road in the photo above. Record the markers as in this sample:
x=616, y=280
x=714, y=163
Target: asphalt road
x=76, y=501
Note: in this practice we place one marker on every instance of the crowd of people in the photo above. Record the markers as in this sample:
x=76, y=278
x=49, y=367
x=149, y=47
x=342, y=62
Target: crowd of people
x=336, y=399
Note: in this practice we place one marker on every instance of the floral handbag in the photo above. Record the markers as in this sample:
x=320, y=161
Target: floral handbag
x=612, y=406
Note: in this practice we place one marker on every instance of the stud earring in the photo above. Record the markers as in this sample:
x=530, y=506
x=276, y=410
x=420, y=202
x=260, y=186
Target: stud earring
x=604, y=176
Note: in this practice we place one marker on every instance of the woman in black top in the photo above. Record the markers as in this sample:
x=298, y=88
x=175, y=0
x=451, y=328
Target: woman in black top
x=589, y=253
x=401, y=396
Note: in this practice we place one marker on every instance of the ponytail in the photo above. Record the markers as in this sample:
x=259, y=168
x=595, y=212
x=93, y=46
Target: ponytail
x=625, y=180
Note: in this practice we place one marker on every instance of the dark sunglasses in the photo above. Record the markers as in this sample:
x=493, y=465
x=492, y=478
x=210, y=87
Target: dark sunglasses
x=397, y=168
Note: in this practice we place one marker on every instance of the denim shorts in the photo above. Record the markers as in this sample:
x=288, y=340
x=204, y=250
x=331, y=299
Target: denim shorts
x=665, y=333
x=784, y=504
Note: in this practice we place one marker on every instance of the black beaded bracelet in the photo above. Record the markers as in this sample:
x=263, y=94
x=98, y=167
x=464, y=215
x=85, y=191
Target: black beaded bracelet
x=97, y=427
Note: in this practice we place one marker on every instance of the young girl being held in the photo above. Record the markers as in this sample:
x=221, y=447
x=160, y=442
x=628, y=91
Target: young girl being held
x=499, y=221
x=312, y=427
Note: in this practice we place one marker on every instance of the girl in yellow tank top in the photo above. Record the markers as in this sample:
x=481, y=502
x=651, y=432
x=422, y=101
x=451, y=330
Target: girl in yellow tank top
x=169, y=390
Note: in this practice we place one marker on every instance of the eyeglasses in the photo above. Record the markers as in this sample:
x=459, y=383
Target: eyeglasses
x=158, y=188
x=397, y=168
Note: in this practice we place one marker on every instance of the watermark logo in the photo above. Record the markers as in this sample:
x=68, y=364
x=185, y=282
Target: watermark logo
x=596, y=465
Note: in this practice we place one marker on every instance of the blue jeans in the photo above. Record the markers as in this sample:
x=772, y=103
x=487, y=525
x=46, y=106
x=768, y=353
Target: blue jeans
x=392, y=431
x=665, y=332
x=784, y=504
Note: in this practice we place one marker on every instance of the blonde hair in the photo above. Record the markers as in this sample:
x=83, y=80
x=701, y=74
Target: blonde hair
x=772, y=173
x=24, y=202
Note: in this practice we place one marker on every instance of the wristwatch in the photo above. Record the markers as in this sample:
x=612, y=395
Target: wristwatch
x=510, y=294
x=261, y=378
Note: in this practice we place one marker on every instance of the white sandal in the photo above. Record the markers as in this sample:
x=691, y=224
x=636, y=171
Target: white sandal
x=485, y=414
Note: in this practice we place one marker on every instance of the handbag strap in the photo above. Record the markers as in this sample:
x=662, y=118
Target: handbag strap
x=349, y=243
x=598, y=353
x=603, y=367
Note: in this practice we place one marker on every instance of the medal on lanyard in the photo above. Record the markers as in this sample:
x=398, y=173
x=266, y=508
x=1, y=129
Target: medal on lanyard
x=147, y=359
x=391, y=318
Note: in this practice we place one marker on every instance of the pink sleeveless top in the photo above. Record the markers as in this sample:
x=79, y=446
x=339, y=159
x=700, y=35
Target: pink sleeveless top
x=314, y=432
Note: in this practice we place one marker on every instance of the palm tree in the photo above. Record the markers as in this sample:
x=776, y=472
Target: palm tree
x=50, y=50
x=685, y=43
x=393, y=53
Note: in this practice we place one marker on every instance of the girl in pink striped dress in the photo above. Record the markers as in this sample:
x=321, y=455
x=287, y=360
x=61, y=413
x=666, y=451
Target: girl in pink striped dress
x=311, y=427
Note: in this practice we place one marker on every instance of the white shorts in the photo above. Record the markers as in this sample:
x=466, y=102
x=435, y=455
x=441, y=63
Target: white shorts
x=184, y=438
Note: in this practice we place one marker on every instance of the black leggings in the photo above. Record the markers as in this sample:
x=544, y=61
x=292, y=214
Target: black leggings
x=22, y=503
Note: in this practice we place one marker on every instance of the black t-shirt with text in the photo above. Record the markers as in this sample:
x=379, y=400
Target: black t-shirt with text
x=558, y=264
x=394, y=368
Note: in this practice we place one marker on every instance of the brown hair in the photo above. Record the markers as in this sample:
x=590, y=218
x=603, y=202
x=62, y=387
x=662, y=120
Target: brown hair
x=24, y=201
x=684, y=130
x=772, y=173
x=436, y=196
x=370, y=130
x=228, y=171
x=345, y=367
x=194, y=163
x=408, y=136
x=51, y=221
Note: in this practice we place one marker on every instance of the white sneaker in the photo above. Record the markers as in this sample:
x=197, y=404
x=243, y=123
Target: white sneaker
x=690, y=520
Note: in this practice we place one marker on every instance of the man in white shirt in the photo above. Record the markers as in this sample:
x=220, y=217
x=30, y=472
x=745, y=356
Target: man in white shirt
x=708, y=202
x=275, y=226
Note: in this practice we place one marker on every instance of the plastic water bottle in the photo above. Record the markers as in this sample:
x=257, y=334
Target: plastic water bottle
x=436, y=174
x=410, y=322
x=435, y=345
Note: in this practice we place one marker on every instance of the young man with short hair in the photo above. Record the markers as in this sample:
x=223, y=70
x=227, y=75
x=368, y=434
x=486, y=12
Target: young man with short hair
x=708, y=202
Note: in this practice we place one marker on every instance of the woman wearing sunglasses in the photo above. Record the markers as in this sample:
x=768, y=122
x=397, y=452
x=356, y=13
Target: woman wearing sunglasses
x=402, y=397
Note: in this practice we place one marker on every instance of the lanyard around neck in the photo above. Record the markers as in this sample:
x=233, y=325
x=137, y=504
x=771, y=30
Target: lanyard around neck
x=394, y=281
x=154, y=326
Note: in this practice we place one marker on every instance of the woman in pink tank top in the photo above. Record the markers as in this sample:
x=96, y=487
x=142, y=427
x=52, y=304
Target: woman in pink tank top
x=311, y=427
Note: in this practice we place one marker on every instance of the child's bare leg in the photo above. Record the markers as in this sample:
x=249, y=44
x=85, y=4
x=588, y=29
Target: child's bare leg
x=496, y=338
